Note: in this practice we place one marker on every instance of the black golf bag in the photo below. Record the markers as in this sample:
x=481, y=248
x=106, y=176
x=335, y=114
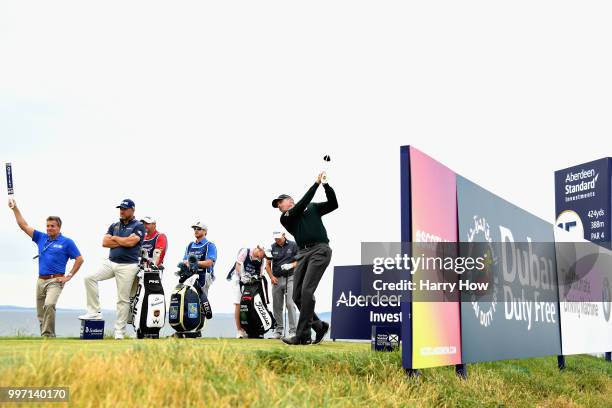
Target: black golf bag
x=148, y=306
x=255, y=317
x=189, y=306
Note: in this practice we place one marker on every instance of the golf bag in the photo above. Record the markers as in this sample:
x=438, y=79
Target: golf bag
x=255, y=317
x=148, y=306
x=189, y=306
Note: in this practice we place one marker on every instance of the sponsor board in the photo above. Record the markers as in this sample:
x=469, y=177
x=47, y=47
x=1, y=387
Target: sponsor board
x=429, y=214
x=585, y=275
x=583, y=195
x=521, y=318
x=583, y=204
x=355, y=308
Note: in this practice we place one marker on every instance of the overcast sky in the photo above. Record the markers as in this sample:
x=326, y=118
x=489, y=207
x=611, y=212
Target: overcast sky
x=206, y=111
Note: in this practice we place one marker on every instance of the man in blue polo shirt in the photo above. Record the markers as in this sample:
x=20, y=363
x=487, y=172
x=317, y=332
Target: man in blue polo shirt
x=206, y=253
x=124, y=238
x=54, y=250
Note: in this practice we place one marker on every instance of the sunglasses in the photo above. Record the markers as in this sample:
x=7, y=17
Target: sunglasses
x=197, y=229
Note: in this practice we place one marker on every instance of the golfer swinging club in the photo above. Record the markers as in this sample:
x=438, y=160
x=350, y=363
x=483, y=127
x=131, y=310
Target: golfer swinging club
x=303, y=221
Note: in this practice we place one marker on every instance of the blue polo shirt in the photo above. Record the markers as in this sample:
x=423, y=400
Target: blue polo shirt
x=202, y=250
x=125, y=255
x=54, y=254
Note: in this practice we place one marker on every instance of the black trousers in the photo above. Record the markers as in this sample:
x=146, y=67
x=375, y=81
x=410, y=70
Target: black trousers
x=311, y=264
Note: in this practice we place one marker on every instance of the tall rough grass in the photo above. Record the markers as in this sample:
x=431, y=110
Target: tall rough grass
x=229, y=373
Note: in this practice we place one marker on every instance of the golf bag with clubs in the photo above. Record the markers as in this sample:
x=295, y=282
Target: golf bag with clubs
x=189, y=306
x=255, y=317
x=148, y=306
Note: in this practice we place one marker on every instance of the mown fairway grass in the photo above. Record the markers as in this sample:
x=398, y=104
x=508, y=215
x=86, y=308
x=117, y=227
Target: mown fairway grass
x=266, y=373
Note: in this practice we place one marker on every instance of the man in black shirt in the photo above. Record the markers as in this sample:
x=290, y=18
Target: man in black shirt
x=303, y=221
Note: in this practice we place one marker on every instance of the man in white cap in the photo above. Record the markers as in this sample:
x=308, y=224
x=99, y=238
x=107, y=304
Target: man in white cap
x=154, y=239
x=206, y=253
x=280, y=267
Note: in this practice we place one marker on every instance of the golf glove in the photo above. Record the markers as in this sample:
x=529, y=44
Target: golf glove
x=287, y=267
x=324, y=178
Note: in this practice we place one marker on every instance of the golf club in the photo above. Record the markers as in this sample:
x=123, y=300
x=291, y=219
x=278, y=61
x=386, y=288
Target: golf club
x=326, y=165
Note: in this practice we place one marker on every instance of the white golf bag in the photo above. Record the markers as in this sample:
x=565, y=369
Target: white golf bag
x=148, y=307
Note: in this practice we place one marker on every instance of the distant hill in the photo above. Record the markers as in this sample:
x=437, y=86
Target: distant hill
x=22, y=321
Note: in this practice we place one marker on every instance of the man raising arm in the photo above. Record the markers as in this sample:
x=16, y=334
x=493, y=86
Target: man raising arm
x=54, y=251
x=303, y=221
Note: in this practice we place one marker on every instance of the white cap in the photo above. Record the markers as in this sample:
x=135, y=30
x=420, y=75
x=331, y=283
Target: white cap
x=277, y=235
x=148, y=220
x=199, y=224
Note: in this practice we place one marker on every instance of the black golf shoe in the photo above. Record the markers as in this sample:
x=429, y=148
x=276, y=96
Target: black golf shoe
x=320, y=334
x=296, y=341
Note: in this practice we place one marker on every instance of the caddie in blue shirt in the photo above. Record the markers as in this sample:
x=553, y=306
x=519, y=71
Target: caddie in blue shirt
x=206, y=252
x=124, y=238
x=54, y=251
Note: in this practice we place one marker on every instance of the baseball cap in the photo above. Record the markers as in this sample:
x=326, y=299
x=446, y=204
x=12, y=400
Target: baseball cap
x=279, y=198
x=277, y=235
x=148, y=220
x=199, y=224
x=127, y=203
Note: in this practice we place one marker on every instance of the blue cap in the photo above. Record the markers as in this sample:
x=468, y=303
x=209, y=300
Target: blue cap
x=127, y=203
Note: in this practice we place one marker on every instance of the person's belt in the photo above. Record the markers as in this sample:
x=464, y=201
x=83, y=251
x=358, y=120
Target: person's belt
x=283, y=274
x=46, y=277
x=308, y=246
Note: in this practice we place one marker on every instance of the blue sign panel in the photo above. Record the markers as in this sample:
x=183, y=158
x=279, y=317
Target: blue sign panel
x=92, y=329
x=583, y=200
x=356, y=307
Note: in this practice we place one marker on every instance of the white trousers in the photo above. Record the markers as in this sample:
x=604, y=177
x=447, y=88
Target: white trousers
x=125, y=277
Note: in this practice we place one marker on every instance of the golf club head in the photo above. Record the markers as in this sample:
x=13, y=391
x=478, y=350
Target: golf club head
x=183, y=273
x=193, y=263
x=156, y=255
